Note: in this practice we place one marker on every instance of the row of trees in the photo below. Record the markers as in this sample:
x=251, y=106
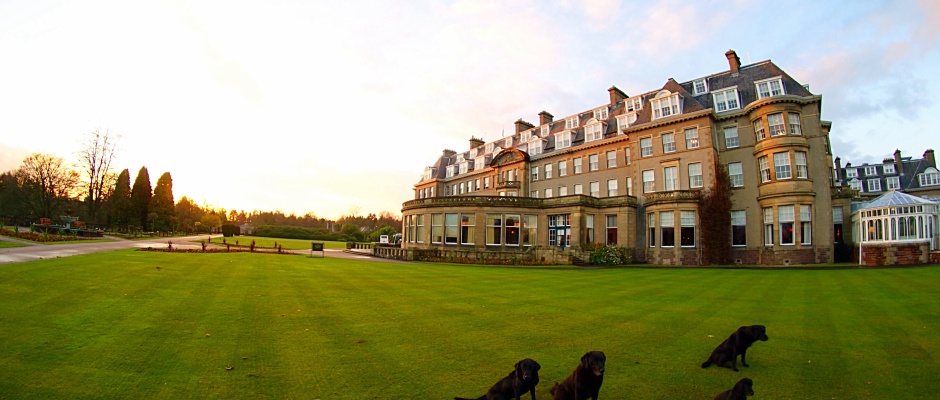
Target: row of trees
x=46, y=186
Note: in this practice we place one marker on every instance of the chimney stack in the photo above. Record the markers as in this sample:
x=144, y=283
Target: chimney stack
x=476, y=142
x=838, y=169
x=733, y=61
x=449, y=153
x=931, y=161
x=897, y=162
x=522, y=126
x=616, y=95
x=545, y=118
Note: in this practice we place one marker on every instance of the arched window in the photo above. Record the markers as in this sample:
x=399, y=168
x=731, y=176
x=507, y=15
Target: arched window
x=894, y=229
x=920, y=227
x=911, y=228
x=878, y=230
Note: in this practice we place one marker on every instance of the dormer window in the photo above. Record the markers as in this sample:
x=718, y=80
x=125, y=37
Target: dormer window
x=633, y=104
x=535, y=147
x=726, y=99
x=930, y=177
x=871, y=170
x=463, y=167
x=526, y=136
x=562, y=140
x=508, y=142
x=479, y=163
x=624, y=121
x=666, y=104
x=545, y=129
x=572, y=122
x=489, y=147
x=769, y=87
x=856, y=184
x=888, y=169
x=851, y=172
x=450, y=170
x=593, y=132
x=473, y=153
x=600, y=113
x=699, y=86
x=428, y=173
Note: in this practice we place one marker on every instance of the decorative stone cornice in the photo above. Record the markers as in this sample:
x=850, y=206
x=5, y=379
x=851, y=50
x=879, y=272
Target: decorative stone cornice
x=520, y=202
x=673, y=196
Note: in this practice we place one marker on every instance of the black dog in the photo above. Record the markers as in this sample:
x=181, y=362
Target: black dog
x=738, y=343
x=585, y=381
x=521, y=380
x=740, y=391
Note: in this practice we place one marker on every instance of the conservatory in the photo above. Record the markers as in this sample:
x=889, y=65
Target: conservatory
x=896, y=228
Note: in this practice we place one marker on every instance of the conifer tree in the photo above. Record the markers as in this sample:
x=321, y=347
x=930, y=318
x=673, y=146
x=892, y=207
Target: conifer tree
x=162, y=205
x=140, y=198
x=120, y=201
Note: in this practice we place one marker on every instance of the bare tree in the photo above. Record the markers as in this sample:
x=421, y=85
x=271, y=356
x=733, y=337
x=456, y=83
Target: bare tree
x=47, y=184
x=94, y=160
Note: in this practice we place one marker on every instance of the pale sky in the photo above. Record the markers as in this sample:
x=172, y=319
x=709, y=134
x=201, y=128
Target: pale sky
x=321, y=106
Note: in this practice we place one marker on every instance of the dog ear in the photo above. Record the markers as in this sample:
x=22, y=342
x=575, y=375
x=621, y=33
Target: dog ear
x=537, y=366
x=584, y=360
x=518, y=368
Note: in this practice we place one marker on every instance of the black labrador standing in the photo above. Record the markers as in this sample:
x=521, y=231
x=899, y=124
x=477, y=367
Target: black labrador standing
x=522, y=379
x=585, y=382
x=738, y=343
x=740, y=391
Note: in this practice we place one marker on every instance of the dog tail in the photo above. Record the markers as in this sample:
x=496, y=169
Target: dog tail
x=707, y=364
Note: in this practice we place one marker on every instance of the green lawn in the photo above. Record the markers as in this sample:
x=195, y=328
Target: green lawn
x=112, y=325
x=286, y=244
x=4, y=243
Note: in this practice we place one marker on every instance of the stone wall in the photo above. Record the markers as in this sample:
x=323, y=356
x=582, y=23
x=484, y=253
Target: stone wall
x=881, y=254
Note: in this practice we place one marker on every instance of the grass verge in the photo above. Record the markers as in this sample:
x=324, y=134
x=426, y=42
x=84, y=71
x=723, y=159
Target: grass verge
x=286, y=244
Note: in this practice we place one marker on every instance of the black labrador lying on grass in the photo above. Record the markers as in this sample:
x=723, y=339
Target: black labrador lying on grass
x=740, y=391
x=522, y=379
x=585, y=381
x=738, y=343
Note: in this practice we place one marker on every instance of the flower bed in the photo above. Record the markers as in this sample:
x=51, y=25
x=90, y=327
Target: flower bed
x=38, y=237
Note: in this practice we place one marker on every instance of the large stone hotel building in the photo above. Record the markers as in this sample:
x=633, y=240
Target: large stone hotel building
x=631, y=173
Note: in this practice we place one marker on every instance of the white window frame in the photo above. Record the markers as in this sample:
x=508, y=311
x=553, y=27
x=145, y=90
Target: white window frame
x=646, y=147
x=759, y=132
x=671, y=178
x=763, y=165
x=578, y=165
x=633, y=104
x=871, y=170
x=600, y=113
x=893, y=183
x=851, y=173
x=612, y=159
x=729, y=143
x=534, y=147
x=765, y=88
x=785, y=215
x=800, y=161
x=578, y=188
x=562, y=168
x=888, y=169
x=666, y=105
x=572, y=122
x=696, y=90
x=691, y=138
x=562, y=191
x=593, y=132
x=595, y=189
x=562, y=140
x=775, y=125
x=726, y=99
x=669, y=146
x=612, y=188
x=782, y=166
x=649, y=181
x=695, y=176
x=874, y=185
x=548, y=171
x=795, y=125
x=593, y=164
x=736, y=173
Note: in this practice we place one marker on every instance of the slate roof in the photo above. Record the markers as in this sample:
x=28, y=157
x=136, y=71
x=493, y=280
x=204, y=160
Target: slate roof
x=909, y=180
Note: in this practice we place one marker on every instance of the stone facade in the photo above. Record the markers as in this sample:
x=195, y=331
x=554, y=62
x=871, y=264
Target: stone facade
x=882, y=254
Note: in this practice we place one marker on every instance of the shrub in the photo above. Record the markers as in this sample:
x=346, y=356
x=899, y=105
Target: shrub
x=229, y=230
x=610, y=255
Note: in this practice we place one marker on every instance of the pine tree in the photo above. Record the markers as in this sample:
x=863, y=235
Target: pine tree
x=162, y=204
x=140, y=198
x=120, y=201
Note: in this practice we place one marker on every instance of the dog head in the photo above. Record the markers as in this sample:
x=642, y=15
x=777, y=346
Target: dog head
x=758, y=332
x=594, y=362
x=746, y=386
x=527, y=369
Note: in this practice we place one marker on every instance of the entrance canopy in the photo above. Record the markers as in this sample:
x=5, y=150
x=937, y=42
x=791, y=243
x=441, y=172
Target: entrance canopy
x=897, y=217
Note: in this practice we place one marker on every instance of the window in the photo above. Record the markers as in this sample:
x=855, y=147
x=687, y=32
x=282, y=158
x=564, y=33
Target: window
x=775, y=123
x=577, y=165
x=592, y=162
x=437, y=228
x=562, y=191
x=535, y=148
x=646, y=147
x=529, y=230
x=548, y=193
x=806, y=225
x=888, y=169
x=699, y=86
x=759, y=130
x=486, y=182
x=782, y=165
x=611, y=188
x=479, y=163
x=512, y=233
x=534, y=193
x=535, y=173
x=648, y=182
x=731, y=137
x=559, y=230
x=768, y=226
x=770, y=87
x=856, y=184
x=578, y=188
x=871, y=170
x=507, y=143
x=489, y=147
x=626, y=155
x=687, y=229
x=526, y=137
x=670, y=178
x=785, y=216
x=801, y=170
x=691, y=138
x=874, y=185
x=612, y=159
x=611, y=229
x=450, y=171
x=563, y=140
x=695, y=175
x=600, y=113
x=548, y=171
x=736, y=174
x=419, y=228
x=665, y=106
x=624, y=121
x=633, y=104
x=726, y=100
x=894, y=183
x=629, y=186
x=545, y=129
x=462, y=187
x=593, y=132
x=589, y=228
x=651, y=225
x=837, y=225
x=795, y=124
x=738, y=228
x=571, y=123
x=595, y=189
x=669, y=143
x=450, y=228
x=562, y=168
x=851, y=172
x=667, y=230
